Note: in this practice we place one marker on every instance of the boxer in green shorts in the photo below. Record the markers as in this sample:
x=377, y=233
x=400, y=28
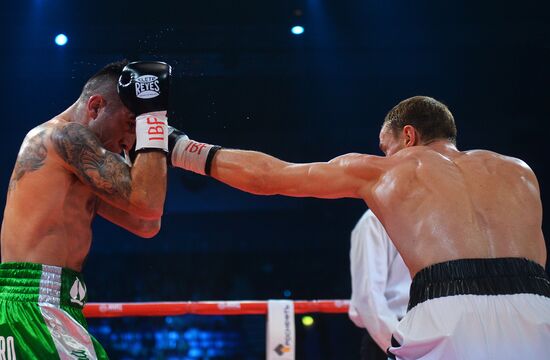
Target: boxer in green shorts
x=68, y=170
x=41, y=313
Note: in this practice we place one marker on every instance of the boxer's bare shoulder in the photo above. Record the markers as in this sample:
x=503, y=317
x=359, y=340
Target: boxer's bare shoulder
x=34, y=151
x=76, y=149
x=485, y=164
x=32, y=154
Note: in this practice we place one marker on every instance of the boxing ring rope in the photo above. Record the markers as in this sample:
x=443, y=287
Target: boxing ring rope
x=280, y=331
x=97, y=310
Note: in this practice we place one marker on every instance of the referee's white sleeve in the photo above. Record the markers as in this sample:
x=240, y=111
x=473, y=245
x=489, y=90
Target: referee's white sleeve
x=371, y=257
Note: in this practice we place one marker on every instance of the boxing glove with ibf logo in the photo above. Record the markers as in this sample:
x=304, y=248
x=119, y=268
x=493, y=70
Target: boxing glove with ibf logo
x=143, y=88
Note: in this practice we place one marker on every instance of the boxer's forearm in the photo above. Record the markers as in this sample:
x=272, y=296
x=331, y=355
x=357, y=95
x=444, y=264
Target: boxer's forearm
x=145, y=228
x=148, y=184
x=262, y=174
x=250, y=171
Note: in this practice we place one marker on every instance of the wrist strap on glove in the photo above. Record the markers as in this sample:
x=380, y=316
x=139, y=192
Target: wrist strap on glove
x=152, y=131
x=194, y=156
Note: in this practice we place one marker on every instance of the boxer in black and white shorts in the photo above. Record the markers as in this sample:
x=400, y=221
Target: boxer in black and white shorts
x=468, y=225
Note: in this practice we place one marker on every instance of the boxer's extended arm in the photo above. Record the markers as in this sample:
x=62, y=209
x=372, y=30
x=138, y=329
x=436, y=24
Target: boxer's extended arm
x=139, y=190
x=343, y=177
x=351, y=175
x=145, y=228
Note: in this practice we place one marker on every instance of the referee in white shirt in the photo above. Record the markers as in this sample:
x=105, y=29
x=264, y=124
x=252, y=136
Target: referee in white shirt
x=380, y=284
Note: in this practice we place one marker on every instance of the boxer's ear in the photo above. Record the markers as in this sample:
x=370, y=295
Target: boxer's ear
x=94, y=104
x=410, y=136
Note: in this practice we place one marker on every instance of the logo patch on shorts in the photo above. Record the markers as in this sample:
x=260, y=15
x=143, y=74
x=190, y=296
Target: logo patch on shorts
x=78, y=293
x=80, y=354
x=147, y=86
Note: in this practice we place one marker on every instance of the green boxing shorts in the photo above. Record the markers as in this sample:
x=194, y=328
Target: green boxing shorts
x=41, y=314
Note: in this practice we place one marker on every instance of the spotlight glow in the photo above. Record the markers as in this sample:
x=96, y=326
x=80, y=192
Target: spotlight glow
x=61, y=39
x=297, y=30
x=307, y=320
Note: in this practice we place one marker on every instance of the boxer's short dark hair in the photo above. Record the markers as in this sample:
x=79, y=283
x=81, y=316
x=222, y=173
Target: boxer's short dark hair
x=107, y=77
x=431, y=118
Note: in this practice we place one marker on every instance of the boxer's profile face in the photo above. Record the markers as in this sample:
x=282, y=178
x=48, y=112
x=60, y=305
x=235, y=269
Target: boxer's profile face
x=389, y=142
x=113, y=124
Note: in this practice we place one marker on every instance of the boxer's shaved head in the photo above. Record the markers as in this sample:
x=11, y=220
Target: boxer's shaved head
x=431, y=118
x=104, y=82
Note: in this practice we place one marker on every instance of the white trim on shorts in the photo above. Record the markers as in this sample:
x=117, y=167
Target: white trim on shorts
x=475, y=327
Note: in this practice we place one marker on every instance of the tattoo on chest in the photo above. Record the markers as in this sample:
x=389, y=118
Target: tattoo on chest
x=100, y=169
x=31, y=157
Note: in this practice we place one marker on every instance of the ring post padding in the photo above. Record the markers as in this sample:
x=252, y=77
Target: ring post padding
x=280, y=333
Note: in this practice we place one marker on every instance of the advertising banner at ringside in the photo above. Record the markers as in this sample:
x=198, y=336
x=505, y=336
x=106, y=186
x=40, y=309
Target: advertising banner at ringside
x=280, y=332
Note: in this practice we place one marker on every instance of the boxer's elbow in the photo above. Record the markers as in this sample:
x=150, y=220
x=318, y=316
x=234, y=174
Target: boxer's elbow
x=148, y=206
x=145, y=211
x=147, y=228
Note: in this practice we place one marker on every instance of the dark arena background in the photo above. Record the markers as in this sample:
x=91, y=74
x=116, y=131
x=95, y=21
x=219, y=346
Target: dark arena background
x=243, y=79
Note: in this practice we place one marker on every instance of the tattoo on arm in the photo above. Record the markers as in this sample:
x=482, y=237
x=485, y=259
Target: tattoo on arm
x=31, y=158
x=103, y=170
